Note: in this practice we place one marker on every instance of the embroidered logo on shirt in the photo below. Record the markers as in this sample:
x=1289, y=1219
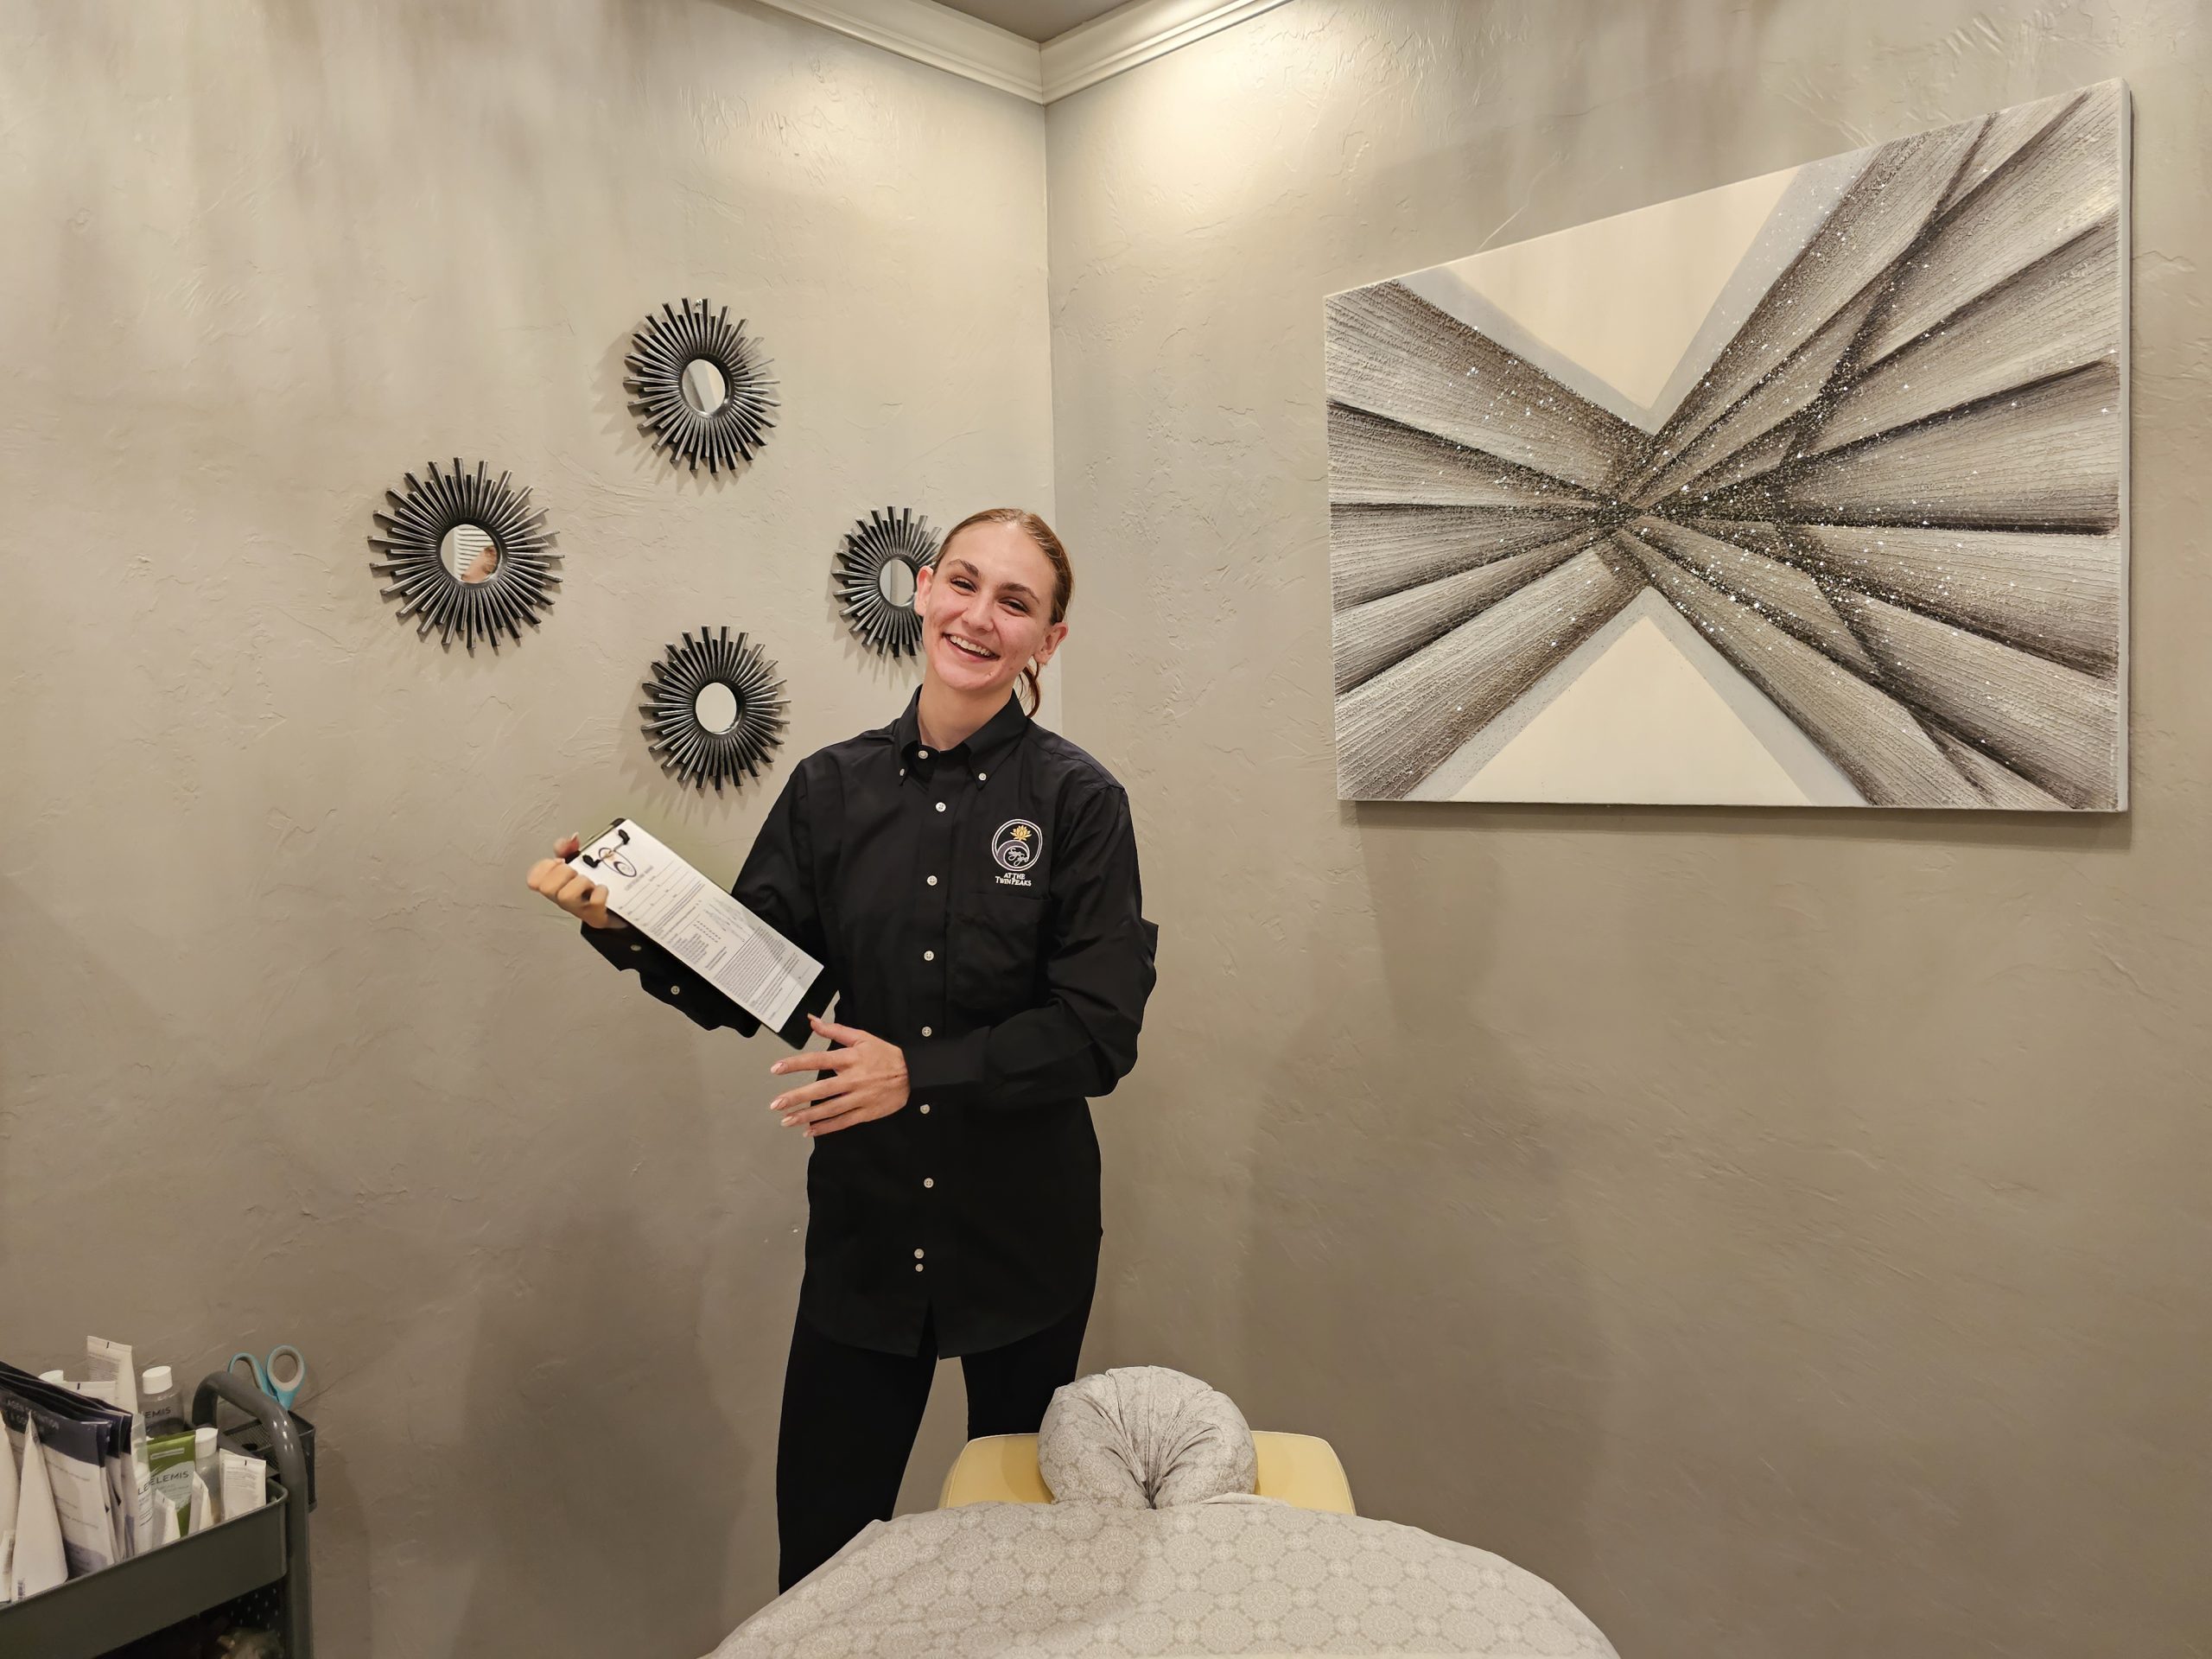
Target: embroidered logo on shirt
x=1018, y=846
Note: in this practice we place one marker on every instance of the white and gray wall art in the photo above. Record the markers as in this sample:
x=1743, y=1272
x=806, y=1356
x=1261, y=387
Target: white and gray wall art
x=1806, y=491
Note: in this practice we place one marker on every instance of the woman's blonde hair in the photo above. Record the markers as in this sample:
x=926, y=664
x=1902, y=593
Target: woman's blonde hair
x=1055, y=555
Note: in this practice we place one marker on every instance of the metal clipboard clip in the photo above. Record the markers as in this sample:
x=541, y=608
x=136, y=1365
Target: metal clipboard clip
x=620, y=865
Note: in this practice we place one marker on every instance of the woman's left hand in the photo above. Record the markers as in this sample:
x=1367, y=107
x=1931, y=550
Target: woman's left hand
x=867, y=1080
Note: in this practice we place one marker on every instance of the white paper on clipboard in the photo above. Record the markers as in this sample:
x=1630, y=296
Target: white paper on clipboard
x=687, y=915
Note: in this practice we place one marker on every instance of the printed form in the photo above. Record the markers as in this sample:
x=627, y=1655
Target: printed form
x=681, y=911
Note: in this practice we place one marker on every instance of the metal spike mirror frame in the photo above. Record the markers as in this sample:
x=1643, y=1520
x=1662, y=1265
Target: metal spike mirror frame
x=668, y=344
x=413, y=541
x=685, y=747
x=871, y=544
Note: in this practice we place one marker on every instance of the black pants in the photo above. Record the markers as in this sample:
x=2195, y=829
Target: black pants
x=850, y=1416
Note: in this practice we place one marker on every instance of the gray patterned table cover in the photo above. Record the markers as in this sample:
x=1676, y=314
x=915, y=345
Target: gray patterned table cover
x=1248, y=1577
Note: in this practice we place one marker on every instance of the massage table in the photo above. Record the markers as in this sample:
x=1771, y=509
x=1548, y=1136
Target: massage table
x=1175, y=1531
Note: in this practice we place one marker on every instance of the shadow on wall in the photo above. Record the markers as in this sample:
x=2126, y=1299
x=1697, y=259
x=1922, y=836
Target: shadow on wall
x=590, y=1415
x=1413, y=1231
x=2041, y=832
x=1416, y=1239
x=183, y=1286
x=604, y=1479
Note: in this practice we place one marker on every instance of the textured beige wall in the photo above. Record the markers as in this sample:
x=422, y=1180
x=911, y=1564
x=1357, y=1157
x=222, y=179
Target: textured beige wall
x=1786, y=1232
x=286, y=1049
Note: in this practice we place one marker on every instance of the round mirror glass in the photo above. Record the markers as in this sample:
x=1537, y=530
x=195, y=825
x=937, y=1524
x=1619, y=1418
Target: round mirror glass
x=895, y=580
x=704, y=389
x=469, y=553
x=716, y=707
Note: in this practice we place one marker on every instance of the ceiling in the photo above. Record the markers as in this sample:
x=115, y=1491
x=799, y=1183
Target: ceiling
x=1035, y=20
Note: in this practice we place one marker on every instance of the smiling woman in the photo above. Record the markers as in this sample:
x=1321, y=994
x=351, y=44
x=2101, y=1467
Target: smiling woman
x=969, y=880
x=1013, y=526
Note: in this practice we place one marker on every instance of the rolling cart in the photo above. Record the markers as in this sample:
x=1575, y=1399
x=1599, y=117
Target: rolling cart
x=266, y=1551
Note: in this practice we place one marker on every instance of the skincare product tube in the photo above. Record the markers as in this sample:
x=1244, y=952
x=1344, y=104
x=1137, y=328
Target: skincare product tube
x=166, y=1530
x=113, y=1361
x=109, y=1362
x=9, y=1499
x=206, y=1479
x=40, y=1563
x=142, y=1487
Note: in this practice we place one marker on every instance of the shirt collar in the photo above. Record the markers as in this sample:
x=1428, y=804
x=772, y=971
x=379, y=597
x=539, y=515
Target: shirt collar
x=1000, y=732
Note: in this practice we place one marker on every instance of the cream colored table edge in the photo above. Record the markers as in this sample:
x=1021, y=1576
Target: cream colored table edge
x=1302, y=1469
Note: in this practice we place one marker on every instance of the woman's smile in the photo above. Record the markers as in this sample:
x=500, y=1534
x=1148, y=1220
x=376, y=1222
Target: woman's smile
x=985, y=613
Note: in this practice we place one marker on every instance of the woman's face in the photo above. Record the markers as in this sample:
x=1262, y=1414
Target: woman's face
x=986, y=609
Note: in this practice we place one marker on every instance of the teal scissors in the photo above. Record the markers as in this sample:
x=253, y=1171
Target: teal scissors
x=281, y=1378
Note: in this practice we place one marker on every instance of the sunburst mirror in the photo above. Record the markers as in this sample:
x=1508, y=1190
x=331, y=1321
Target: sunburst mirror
x=699, y=387
x=714, y=710
x=879, y=564
x=467, y=555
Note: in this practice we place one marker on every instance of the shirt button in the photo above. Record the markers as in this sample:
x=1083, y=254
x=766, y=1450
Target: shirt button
x=928, y=1181
x=980, y=776
x=926, y=1032
x=640, y=947
x=676, y=990
x=929, y=956
x=940, y=806
x=925, y=1109
x=918, y=1267
x=917, y=1256
x=923, y=755
x=932, y=883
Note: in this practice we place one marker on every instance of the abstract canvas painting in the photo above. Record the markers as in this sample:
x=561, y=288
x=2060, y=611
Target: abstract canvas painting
x=1807, y=491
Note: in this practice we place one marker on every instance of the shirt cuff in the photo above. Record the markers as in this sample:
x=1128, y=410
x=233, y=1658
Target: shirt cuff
x=948, y=1069
x=667, y=980
x=624, y=946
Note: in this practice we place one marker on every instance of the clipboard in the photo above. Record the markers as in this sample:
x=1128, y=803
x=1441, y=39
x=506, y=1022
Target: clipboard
x=694, y=920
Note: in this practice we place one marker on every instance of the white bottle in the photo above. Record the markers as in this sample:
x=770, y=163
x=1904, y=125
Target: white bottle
x=159, y=1402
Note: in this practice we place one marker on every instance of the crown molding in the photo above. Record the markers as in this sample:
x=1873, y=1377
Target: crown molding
x=1135, y=33
x=938, y=35
x=952, y=41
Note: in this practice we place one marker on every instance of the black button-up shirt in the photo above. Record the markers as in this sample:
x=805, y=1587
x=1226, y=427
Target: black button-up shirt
x=980, y=908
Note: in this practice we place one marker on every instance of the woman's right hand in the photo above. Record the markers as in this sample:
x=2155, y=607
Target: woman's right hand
x=569, y=888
